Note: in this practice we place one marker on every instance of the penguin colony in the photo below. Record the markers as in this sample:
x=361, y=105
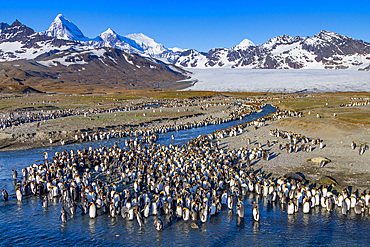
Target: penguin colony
x=14, y=119
x=357, y=102
x=294, y=139
x=194, y=181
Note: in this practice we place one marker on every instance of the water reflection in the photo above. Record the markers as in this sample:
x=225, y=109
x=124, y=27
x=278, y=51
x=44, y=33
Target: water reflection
x=256, y=226
x=240, y=222
x=92, y=226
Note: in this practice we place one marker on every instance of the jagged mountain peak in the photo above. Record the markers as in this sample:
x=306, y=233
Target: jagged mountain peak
x=110, y=31
x=325, y=50
x=108, y=34
x=329, y=36
x=16, y=32
x=63, y=28
x=282, y=39
x=245, y=44
x=17, y=23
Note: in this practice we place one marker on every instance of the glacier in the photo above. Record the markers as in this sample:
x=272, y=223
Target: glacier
x=279, y=81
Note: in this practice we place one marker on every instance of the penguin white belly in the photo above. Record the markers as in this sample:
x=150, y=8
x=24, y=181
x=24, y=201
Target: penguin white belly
x=290, y=208
x=306, y=207
x=131, y=214
x=92, y=211
x=256, y=214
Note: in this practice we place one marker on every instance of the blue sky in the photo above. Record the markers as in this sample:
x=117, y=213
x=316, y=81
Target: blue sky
x=201, y=25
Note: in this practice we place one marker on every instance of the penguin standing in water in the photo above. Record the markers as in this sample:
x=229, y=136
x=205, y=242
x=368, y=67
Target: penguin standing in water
x=240, y=210
x=330, y=204
x=84, y=207
x=5, y=194
x=15, y=174
x=92, y=210
x=256, y=213
x=203, y=215
x=131, y=214
x=63, y=215
x=139, y=218
x=306, y=206
x=18, y=193
x=73, y=208
x=213, y=209
x=230, y=202
x=291, y=208
x=158, y=224
x=179, y=211
x=194, y=214
x=358, y=207
x=112, y=210
x=124, y=212
x=45, y=202
x=186, y=214
x=146, y=210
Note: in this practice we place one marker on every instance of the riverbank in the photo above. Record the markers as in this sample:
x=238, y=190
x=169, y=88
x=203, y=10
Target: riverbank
x=39, y=134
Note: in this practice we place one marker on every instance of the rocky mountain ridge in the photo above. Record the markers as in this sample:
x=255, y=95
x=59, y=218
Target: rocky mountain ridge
x=325, y=50
x=46, y=63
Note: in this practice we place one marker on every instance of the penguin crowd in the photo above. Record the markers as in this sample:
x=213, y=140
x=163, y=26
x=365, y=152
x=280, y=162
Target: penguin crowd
x=13, y=119
x=190, y=182
x=357, y=102
x=296, y=142
x=149, y=135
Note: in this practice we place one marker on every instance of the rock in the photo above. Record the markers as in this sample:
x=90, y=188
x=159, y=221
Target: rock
x=194, y=226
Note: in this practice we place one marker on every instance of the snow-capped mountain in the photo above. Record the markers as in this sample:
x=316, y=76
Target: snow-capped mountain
x=19, y=42
x=48, y=63
x=245, y=44
x=133, y=43
x=176, y=49
x=110, y=38
x=62, y=28
x=325, y=50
